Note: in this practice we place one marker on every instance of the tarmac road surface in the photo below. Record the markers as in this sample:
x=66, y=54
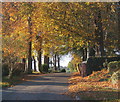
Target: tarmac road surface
x=46, y=87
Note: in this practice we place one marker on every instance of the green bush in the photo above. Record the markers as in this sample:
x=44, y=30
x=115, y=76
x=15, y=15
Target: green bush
x=5, y=70
x=63, y=70
x=113, y=66
x=71, y=67
x=45, y=68
x=96, y=63
x=115, y=77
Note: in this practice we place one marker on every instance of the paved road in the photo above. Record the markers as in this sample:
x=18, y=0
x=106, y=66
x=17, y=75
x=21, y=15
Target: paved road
x=47, y=87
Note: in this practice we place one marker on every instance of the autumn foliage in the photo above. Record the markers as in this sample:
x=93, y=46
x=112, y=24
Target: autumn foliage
x=96, y=86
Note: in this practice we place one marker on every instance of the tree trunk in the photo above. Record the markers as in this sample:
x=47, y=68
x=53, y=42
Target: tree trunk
x=119, y=25
x=10, y=71
x=55, y=62
x=58, y=62
x=92, y=51
x=46, y=60
x=87, y=52
x=10, y=74
x=30, y=46
x=78, y=68
x=84, y=54
x=99, y=32
x=40, y=61
x=34, y=64
x=24, y=63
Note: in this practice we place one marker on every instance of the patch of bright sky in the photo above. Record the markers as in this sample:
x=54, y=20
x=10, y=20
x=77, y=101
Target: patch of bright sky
x=65, y=59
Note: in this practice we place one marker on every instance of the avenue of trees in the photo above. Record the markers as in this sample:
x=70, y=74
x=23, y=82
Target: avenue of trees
x=53, y=29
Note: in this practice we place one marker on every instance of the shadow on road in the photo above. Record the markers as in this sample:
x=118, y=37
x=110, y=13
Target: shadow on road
x=42, y=78
x=32, y=83
x=47, y=87
x=57, y=76
x=34, y=96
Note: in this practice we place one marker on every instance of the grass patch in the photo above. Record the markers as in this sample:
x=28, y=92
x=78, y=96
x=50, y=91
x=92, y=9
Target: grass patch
x=36, y=72
x=6, y=82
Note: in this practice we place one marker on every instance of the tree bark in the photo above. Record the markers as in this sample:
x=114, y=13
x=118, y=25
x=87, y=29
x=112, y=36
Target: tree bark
x=30, y=46
x=92, y=51
x=119, y=25
x=34, y=64
x=88, y=52
x=99, y=32
x=78, y=68
x=58, y=62
x=55, y=62
x=84, y=54
x=46, y=60
x=40, y=61
x=24, y=63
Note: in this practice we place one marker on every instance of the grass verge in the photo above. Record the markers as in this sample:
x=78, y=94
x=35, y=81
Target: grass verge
x=97, y=86
x=6, y=82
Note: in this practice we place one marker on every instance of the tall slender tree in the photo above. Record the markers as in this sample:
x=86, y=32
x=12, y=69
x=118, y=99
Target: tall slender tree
x=30, y=46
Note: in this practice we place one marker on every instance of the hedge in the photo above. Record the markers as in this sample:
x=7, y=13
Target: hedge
x=18, y=69
x=5, y=70
x=115, y=77
x=96, y=63
x=63, y=70
x=113, y=66
x=45, y=68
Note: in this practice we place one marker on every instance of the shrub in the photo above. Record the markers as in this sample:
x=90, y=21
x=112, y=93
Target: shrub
x=113, y=66
x=18, y=69
x=115, y=77
x=63, y=70
x=45, y=68
x=71, y=67
x=5, y=70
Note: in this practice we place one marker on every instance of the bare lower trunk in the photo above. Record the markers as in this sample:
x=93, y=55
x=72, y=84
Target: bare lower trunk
x=55, y=62
x=24, y=63
x=99, y=32
x=85, y=54
x=34, y=64
x=46, y=60
x=58, y=62
x=10, y=72
x=78, y=68
x=119, y=26
x=30, y=46
x=40, y=61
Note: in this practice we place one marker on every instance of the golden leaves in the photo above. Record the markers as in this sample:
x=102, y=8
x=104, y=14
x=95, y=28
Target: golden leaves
x=91, y=86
